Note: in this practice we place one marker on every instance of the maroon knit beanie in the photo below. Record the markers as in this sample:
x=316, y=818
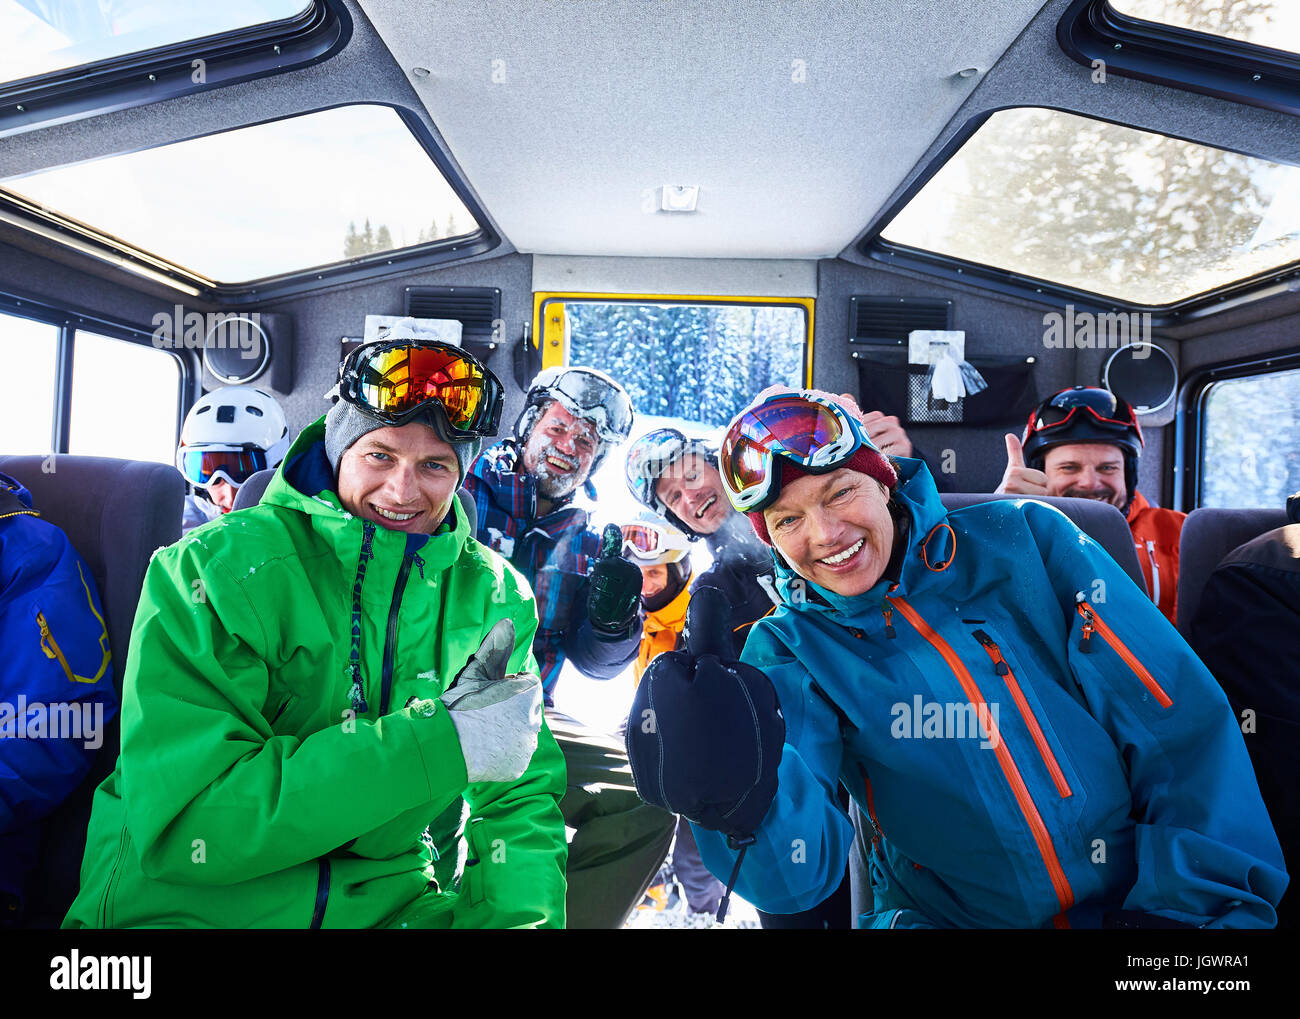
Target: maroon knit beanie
x=866, y=460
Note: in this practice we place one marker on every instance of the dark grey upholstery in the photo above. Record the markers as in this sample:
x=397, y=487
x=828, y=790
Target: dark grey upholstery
x=115, y=513
x=250, y=494
x=1209, y=535
x=1099, y=520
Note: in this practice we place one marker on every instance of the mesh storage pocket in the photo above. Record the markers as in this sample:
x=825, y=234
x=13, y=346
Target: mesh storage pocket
x=889, y=384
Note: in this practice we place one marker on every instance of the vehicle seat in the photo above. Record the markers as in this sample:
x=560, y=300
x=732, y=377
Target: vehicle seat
x=1100, y=521
x=1209, y=535
x=250, y=492
x=116, y=513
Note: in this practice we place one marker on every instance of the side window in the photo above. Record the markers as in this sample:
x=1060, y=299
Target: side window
x=124, y=399
x=1250, y=447
x=27, y=411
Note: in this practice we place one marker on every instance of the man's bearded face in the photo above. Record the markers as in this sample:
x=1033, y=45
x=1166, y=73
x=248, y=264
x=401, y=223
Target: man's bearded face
x=560, y=451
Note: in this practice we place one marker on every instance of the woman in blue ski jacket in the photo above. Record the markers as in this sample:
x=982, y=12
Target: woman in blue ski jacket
x=1031, y=742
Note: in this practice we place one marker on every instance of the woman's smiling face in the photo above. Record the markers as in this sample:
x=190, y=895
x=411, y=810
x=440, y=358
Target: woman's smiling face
x=834, y=529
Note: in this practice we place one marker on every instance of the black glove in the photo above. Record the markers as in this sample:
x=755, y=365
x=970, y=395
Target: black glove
x=706, y=733
x=615, y=593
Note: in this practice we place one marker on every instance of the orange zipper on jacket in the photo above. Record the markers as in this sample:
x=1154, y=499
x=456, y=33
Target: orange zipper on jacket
x=877, y=832
x=1043, y=839
x=1031, y=723
x=1091, y=622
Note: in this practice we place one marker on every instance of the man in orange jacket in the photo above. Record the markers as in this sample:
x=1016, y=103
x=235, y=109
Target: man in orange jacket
x=1085, y=442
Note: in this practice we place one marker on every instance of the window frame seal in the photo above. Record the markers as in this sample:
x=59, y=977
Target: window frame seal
x=1092, y=30
x=167, y=72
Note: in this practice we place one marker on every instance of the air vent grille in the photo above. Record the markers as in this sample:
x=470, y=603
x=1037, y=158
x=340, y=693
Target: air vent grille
x=888, y=320
x=478, y=309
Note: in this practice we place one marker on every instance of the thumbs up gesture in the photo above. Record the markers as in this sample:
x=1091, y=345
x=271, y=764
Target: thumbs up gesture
x=497, y=717
x=1019, y=479
x=705, y=734
x=615, y=587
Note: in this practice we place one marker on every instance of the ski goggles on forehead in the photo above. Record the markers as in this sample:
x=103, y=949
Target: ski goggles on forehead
x=394, y=380
x=1102, y=405
x=650, y=544
x=203, y=467
x=592, y=397
x=817, y=436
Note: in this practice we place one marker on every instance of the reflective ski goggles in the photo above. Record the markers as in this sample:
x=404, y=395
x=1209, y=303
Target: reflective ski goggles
x=649, y=544
x=591, y=396
x=811, y=432
x=651, y=455
x=1103, y=406
x=202, y=466
x=395, y=379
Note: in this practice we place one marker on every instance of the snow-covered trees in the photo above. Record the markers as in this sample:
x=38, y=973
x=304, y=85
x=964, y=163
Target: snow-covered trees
x=698, y=362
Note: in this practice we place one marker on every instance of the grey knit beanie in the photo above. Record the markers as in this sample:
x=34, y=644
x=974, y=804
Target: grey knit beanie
x=346, y=423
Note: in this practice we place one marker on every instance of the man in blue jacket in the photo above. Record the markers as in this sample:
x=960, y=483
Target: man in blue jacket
x=1031, y=742
x=56, y=689
x=588, y=597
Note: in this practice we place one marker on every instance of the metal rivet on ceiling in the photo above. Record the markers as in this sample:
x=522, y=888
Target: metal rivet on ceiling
x=420, y=72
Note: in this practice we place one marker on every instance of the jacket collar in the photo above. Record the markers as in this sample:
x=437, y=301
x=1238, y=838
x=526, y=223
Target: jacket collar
x=1136, y=506
x=669, y=616
x=305, y=483
x=930, y=548
x=14, y=497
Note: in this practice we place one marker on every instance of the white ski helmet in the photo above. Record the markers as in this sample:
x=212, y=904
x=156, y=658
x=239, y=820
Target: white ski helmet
x=234, y=419
x=586, y=393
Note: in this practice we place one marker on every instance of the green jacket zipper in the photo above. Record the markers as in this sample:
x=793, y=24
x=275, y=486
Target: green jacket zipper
x=390, y=638
x=322, y=893
x=111, y=884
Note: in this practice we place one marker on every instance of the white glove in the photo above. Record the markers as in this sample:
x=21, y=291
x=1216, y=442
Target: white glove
x=497, y=717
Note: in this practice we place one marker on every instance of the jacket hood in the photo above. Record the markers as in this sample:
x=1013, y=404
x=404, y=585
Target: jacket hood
x=305, y=482
x=930, y=546
x=14, y=497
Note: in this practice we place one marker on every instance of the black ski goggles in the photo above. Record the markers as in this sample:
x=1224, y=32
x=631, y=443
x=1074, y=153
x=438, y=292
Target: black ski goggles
x=394, y=380
x=1101, y=405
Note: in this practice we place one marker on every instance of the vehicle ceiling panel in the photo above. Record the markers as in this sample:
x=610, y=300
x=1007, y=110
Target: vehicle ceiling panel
x=602, y=102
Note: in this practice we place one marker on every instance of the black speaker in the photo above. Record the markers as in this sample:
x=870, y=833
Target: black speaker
x=1145, y=375
x=249, y=348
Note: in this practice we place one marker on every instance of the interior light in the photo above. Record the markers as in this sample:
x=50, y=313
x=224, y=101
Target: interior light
x=679, y=197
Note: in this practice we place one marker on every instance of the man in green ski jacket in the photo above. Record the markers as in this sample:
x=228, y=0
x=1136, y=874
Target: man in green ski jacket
x=313, y=681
